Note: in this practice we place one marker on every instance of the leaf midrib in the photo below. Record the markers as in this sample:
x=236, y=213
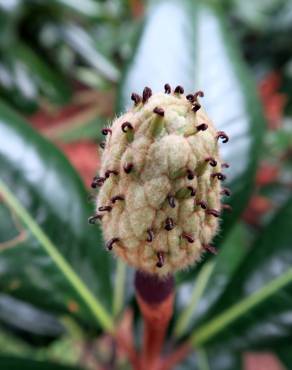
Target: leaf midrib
x=185, y=316
x=213, y=327
x=98, y=311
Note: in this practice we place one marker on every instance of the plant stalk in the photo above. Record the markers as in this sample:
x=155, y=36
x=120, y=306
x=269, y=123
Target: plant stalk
x=155, y=298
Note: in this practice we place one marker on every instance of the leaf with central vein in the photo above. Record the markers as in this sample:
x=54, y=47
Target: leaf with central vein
x=49, y=203
x=221, y=272
x=197, y=53
x=255, y=309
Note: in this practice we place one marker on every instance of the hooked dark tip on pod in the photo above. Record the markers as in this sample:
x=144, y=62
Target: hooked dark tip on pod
x=169, y=224
x=110, y=172
x=188, y=237
x=97, y=181
x=92, y=219
x=220, y=176
x=196, y=107
x=150, y=235
x=105, y=208
x=225, y=165
x=190, y=98
x=190, y=174
x=126, y=126
x=160, y=257
x=171, y=201
x=147, y=92
x=117, y=197
x=213, y=212
x=226, y=191
x=202, y=127
x=179, y=90
x=167, y=88
x=222, y=135
x=211, y=161
x=192, y=191
x=128, y=167
x=136, y=98
x=227, y=207
x=110, y=243
x=102, y=144
x=210, y=248
x=202, y=203
x=159, y=111
x=199, y=93
x=106, y=131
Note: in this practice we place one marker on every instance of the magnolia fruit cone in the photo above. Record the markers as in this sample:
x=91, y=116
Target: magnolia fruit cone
x=160, y=182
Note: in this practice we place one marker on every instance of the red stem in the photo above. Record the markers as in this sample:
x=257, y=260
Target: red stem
x=176, y=357
x=155, y=298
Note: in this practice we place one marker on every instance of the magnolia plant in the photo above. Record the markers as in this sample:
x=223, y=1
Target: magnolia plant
x=159, y=204
x=159, y=198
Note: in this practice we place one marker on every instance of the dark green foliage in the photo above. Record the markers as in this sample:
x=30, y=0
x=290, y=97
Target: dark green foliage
x=55, y=274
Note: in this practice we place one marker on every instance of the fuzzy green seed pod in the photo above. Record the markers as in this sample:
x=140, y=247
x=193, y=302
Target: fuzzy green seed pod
x=160, y=182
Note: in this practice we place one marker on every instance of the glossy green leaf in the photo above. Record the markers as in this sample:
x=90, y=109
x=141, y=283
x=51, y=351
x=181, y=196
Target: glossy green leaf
x=50, y=82
x=17, y=363
x=196, y=299
x=84, y=45
x=17, y=86
x=196, y=50
x=57, y=261
x=26, y=318
x=25, y=76
x=255, y=309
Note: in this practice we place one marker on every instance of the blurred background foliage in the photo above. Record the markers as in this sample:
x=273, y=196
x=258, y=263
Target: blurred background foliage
x=66, y=68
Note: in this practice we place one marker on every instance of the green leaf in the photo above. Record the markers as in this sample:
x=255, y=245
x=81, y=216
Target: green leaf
x=17, y=86
x=189, y=297
x=84, y=45
x=285, y=355
x=119, y=287
x=25, y=76
x=197, y=298
x=66, y=349
x=264, y=16
x=88, y=8
x=16, y=363
x=57, y=260
x=197, y=52
x=27, y=318
x=254, y=310
x=50, y=82
x=221, y=359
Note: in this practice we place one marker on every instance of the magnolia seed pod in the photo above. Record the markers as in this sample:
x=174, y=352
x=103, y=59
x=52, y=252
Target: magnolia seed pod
x=160, y=194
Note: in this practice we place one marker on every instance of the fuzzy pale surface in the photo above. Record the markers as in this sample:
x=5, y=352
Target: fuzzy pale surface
x=160, y=163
